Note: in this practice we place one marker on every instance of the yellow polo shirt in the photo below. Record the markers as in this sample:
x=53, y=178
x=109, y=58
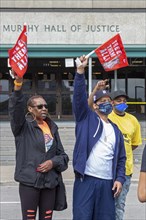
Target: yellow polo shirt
x=130, y=128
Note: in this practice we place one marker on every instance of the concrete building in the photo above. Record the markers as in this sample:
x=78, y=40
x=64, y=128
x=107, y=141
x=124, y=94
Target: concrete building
x=58, y=32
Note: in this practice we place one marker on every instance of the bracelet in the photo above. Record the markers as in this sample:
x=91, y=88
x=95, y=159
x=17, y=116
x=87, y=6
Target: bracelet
x=17, y=83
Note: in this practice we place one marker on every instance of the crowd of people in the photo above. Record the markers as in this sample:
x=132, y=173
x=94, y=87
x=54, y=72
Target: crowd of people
x=106, y=136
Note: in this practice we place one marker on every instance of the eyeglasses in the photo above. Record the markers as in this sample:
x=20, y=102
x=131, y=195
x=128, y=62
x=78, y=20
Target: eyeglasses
x=41, y=106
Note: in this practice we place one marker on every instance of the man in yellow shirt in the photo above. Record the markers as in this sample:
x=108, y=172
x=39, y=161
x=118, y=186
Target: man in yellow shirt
x=131, y=131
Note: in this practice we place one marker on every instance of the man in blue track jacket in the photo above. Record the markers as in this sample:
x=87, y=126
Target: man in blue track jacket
x=99, y=153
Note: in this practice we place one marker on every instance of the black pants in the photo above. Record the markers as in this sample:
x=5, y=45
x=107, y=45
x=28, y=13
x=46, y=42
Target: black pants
x=33, y=198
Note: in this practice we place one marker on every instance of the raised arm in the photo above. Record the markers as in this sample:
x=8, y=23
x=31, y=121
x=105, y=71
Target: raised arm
x=80, y=105
x=18, y=82
x=103, y=84
x=16, y=106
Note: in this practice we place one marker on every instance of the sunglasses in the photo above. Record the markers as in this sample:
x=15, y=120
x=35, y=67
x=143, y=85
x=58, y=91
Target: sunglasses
x=41, y=106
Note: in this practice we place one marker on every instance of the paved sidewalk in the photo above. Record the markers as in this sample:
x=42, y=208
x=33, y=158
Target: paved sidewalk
x=7, y=174
x=10, y=196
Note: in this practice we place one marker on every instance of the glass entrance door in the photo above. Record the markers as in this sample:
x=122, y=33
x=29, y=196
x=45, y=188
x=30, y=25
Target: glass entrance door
x=46, y=85
x=57, y=88
x=50, y=78
x=58, y=94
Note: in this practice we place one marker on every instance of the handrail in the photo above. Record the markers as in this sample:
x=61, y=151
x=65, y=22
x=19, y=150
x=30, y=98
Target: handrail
x=137, y=103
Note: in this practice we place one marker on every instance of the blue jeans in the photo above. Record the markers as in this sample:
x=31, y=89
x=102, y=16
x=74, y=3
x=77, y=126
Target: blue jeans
x=121, y=199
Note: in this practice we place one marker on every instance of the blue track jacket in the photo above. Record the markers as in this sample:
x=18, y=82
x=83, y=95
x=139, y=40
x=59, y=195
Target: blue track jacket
x=88, y=131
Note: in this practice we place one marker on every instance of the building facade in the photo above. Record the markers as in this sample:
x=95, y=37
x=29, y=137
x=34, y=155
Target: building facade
x=58, y=32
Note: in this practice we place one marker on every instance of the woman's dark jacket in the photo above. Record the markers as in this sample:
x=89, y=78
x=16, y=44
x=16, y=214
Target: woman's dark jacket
x=30, y=147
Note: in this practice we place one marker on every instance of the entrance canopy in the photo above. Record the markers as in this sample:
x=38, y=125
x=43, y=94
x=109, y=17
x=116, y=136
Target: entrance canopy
x=36, y=51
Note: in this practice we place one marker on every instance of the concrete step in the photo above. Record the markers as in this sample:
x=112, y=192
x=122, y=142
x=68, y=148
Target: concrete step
x=67, y=134
x=7, y=143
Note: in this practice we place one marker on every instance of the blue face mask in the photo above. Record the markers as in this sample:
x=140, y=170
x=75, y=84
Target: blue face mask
x=105, y=108
x=121, y=107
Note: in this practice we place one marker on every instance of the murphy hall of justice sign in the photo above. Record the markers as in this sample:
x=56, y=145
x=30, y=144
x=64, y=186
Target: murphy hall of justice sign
x=72, y=28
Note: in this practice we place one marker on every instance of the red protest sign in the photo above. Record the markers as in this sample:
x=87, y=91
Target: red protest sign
x=112, y=54
x=18, y=58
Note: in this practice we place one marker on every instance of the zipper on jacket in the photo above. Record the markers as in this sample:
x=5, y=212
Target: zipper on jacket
x=97, y=129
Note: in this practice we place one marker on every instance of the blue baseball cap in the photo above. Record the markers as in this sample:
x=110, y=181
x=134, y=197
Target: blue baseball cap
x=99, y=94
